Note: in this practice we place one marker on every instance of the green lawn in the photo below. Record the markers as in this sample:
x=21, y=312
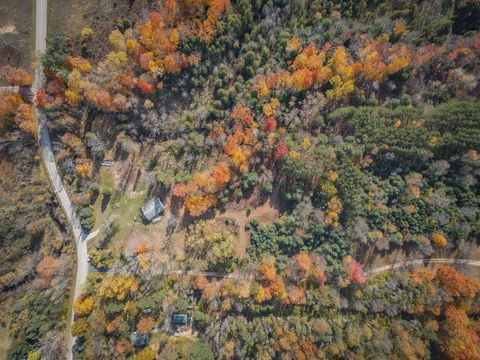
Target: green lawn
x=121, y=207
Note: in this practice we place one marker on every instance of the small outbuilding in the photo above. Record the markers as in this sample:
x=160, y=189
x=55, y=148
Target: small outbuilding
x=152, y=210
x=180, y=319
x=139, y=339
x=107, y=163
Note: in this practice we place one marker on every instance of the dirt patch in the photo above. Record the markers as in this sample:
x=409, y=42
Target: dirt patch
x=268, y=212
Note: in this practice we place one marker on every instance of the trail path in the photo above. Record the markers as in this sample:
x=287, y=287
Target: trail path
x=425, y=262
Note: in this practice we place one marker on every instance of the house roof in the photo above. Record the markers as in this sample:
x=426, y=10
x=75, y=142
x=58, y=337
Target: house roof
x=180, y=319
x=139, y=339
x=152, y=209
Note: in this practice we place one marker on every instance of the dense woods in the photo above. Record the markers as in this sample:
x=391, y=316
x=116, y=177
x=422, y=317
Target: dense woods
x=36, y=257
x=356, y=122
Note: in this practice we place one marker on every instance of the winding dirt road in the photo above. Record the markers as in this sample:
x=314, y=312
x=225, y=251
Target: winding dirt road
x=368, y=273
x=49, y=161
x=424, y=262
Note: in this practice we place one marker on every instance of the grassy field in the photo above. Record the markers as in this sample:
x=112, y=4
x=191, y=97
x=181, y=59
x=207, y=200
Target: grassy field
x=123, y=208
x=17, y=26
x=132, y=231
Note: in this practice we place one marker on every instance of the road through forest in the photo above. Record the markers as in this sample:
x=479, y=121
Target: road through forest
x=49, y=161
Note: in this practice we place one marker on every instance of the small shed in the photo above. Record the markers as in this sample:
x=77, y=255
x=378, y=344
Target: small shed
x=139, y=339
x=152, y=209
x=107, y=163
x=180, y=319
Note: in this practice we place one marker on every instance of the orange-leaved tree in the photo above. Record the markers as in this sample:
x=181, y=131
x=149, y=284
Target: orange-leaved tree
x=15, y=77
x=457, y=284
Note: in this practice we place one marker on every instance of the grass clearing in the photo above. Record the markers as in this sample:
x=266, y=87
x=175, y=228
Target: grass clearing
x=121, y=207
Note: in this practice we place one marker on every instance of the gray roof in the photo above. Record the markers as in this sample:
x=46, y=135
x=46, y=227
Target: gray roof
x=152, y=209
x=139, y=339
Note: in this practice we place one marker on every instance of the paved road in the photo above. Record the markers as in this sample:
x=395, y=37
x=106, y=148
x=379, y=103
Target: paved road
x=49, y=161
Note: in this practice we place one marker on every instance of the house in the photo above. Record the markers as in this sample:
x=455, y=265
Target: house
x=179, y=319
x=139, y=339
x=152, y=210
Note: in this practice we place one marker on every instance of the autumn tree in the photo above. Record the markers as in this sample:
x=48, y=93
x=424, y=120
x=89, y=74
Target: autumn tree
x=278, y=289
x=25, y=119
x=84, y=170
x=456, y=283
x=146, y=324
x=303, y=262
x=201, y=282
x=296, y=295
x=457, y=340
x=8, y=106
x=373, y=67
x=123, y=346
x=179, y=191
x=267, y=269
x=221, y=175
x=83, y=306
x=355, y=273
x=281, y=151
x=15, y=77
x=199, y=204
x=146, y=354
x=270, y=125
x=46, y=269
x=118, y=286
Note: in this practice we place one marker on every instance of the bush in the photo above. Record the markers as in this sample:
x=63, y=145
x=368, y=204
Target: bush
x=87, y=219
x=107, y=194
x=181, y=306
x=250, y=180
x=94, y=189
x=201, y=320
